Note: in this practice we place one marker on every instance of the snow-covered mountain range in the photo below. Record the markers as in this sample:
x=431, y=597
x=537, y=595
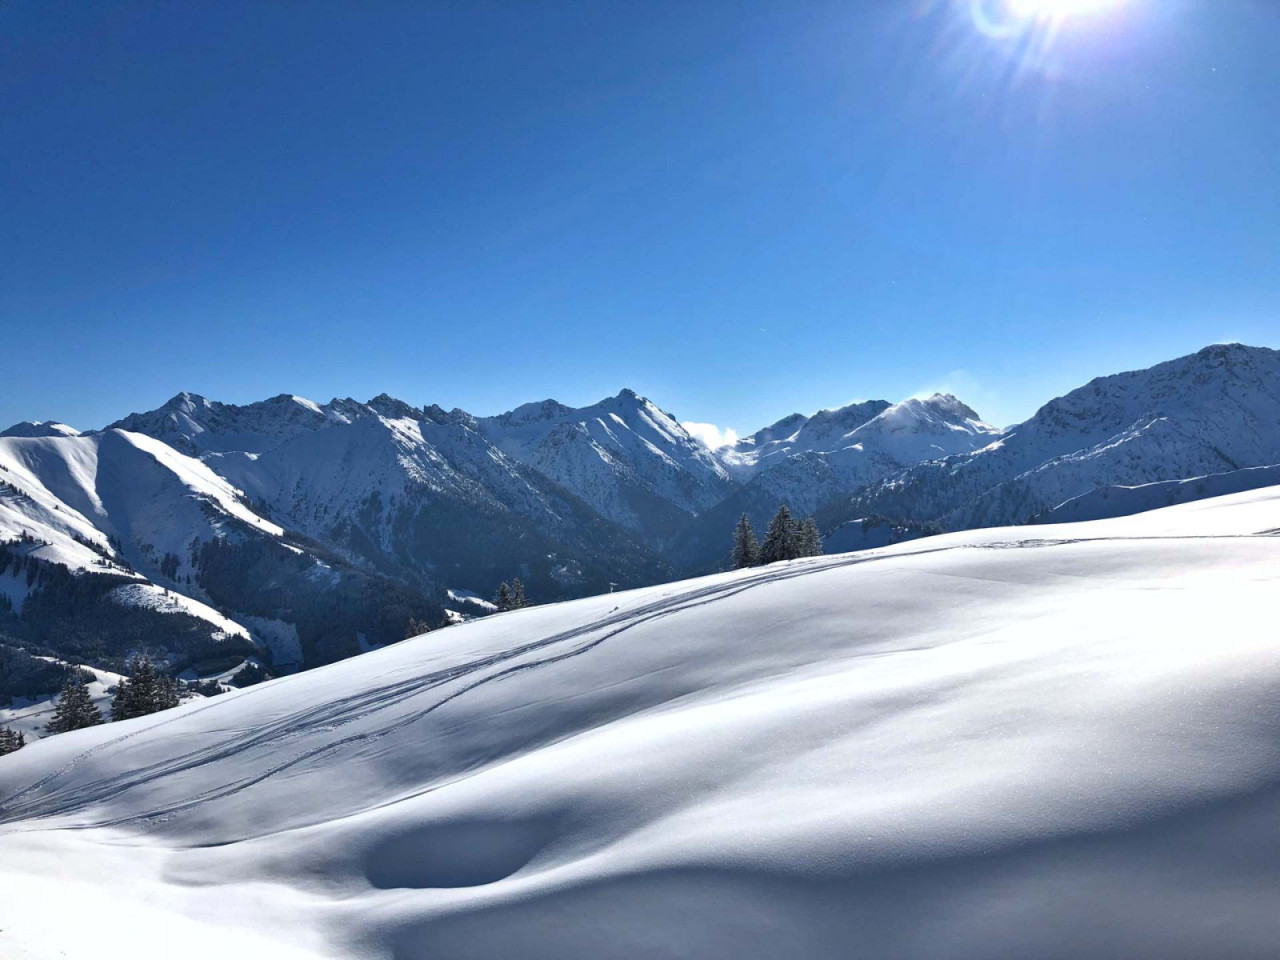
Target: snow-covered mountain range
x=419, y=494
x=1212, y=411
x=1053, y=742
x=309, y=532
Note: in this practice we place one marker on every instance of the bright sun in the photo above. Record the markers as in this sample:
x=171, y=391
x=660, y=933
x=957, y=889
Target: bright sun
x=1057, y=9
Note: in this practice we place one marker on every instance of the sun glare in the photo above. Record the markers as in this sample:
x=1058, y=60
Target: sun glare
x=1057, y=9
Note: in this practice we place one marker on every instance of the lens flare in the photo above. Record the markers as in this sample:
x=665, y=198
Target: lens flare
x=1028, y=31
x=1057, y=9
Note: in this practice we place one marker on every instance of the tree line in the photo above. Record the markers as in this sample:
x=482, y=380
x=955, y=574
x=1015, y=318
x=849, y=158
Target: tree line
x=786, y=539
x=11, y=740
x=510, y=596
x=145, y=691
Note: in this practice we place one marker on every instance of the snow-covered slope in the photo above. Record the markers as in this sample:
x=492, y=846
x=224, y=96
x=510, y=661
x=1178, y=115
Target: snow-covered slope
x=632, y=462
x=116, y=507
x=924, y=429
x=1213, y=411
x=1057, y=743
x=1121, y=501
x=139, y=492
x=109, y=501
x=115, y=542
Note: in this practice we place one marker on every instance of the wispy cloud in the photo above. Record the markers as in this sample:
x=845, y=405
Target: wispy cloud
x=711, y=435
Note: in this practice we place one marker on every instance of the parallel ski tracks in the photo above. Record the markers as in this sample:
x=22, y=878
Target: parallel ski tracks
x=35, y=801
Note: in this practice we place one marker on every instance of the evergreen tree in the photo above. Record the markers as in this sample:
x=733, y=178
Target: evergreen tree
x=74, y=708
x=416, y=628
x=11, y=740
x=780, y=538
x=517, y=595
x=809, y=539
x=167, y=693
x=144, y=691
x=503, y=599
x=746, y=549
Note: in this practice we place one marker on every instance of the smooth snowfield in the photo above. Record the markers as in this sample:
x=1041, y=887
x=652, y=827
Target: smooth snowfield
x=1049, y=741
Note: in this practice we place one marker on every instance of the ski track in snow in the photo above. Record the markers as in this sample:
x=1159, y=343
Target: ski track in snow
x=370, y=701
x=1053, y=741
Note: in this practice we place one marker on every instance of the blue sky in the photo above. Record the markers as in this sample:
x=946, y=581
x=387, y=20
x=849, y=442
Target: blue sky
x=737, y=209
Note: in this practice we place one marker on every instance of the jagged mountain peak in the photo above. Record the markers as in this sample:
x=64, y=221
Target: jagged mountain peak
x=796, y=434
x=780, y=430
x=623, y=455
x=828, y=423
x=196, y=425
x=388, y=406
x=1232, y=351
x=548, y=409
x=553, y=410
x=438, y=414
x=185, y=402
x=941, y=411
x=946, y=403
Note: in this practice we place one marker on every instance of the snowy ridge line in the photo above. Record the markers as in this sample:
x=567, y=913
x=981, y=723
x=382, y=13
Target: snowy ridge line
x=368, y=702
x=353, y=708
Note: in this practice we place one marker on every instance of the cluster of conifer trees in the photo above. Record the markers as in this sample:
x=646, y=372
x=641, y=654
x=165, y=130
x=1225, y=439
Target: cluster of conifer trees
x=416, y=628
x=511, y=596
x=786, y=539
x=146, y=690
x=11, y=740
x=74, y=708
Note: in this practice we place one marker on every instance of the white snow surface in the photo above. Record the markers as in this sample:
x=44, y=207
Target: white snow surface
x=1058, y=741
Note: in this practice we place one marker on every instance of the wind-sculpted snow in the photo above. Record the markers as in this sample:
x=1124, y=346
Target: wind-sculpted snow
x=1060, y=741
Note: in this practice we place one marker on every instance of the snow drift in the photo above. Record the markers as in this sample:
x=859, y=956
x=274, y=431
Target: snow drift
x=1058, y=741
